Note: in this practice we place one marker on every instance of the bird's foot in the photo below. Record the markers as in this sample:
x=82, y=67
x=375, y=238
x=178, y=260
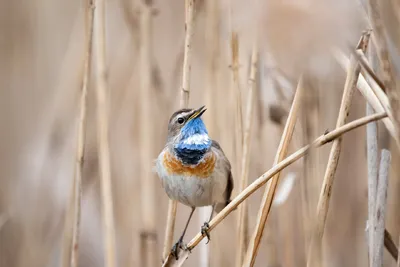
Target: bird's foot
x=178, y=246
x=204, y=231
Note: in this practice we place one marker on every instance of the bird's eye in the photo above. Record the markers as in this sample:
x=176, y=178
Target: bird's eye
x=181, y=120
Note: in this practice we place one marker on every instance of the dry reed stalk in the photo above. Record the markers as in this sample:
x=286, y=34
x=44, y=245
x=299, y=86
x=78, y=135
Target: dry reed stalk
x=204, y=251
x=380, y=208
x=211, y=91
x=312, y=167
x=379, y=88
x=236, y=85
x=187, y=56
x=199, y=6
x=245, y=163
x=169, y=229
x=325, y=195
x=368, y=94
x=72, y=218
x=372, y=155
x=70, y=249
x=374, y=82
x=373, y=164
x=269, y=193
x=102, y=134
x=376, y=85
x=388, y=76
x=185, y=90
x=238, y=94
x=262, y=180
x=149, y=232
x=212, y=54
x=242, y=224
x=238, y=97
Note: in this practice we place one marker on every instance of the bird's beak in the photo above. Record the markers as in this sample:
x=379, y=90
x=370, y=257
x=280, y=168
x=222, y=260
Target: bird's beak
x=197, y=113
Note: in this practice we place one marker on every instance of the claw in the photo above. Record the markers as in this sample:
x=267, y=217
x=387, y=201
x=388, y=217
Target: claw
x=204, y=231
x=175, y=249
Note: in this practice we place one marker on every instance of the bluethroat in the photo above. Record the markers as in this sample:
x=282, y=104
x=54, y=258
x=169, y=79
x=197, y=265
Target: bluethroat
x=193, y=168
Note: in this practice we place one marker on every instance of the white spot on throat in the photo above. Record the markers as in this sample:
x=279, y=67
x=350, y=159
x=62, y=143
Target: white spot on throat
x=197, y=139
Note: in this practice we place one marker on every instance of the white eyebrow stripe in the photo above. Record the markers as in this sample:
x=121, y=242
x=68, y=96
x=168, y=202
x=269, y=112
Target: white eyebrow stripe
x=183, y=114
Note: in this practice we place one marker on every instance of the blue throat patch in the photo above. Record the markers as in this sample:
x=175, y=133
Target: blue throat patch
x=192, y=153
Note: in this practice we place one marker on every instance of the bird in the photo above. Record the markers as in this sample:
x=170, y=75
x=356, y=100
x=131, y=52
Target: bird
x=193, y=168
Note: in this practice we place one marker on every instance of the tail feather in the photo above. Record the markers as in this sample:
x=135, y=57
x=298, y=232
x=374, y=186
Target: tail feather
x=221, y=206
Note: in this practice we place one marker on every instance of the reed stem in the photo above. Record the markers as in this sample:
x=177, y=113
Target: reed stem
x=184, y=102
x=71, y=235
x=103, y=135
x=245, y=164
x=269, y=193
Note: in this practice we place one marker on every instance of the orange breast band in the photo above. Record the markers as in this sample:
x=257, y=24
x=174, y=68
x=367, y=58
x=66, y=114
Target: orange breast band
x=202, y=170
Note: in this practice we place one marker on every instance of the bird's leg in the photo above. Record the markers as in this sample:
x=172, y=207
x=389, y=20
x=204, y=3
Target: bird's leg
x=206, y=226
x=178, y=245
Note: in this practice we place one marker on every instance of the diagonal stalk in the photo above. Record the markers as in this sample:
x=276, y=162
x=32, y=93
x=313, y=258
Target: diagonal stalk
x=271, y=189
x=314, y=257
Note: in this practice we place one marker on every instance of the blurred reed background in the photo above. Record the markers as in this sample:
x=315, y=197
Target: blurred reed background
x=43, y=62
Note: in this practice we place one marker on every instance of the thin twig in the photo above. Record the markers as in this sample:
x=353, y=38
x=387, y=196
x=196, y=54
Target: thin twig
x=71, y=236
x=199, y=7
x=259, y=182
x=388, y=77
x=102, y=132
x=245, y=164
x=149, y=232
x=325, y=195
x=270, y=190
x=187, y=58
x=367, y=69
x=376, y=85
x=369, y=94
x=185, y=90
x=81, y=137
x=380, y=208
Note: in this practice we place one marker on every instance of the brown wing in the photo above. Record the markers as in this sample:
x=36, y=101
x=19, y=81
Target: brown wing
x=229, y=185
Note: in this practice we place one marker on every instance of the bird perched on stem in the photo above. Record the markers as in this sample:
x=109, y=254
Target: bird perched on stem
x=193, y=168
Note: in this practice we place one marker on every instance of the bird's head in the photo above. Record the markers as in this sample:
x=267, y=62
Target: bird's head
x=186, y=130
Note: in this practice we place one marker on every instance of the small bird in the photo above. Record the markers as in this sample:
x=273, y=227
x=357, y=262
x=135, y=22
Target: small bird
x=193, y=168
